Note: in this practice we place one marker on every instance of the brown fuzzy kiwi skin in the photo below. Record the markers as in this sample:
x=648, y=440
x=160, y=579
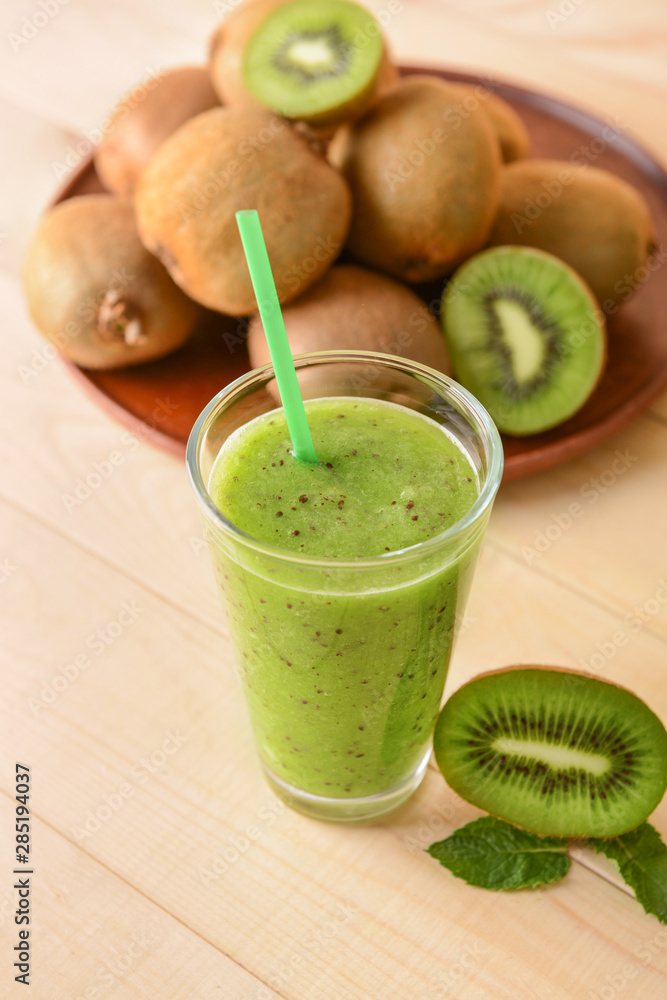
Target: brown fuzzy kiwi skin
x=593, y=220
x=541, y=666
x=511, y=131
x=352, y=308
x=226, y=50
x=224, y=161
x=143, y=120
x=95, y=291
x=424, y=180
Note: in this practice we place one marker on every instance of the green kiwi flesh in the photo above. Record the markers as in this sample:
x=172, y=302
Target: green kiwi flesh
x=314, y=60
x=525, y=336
x=553, y=751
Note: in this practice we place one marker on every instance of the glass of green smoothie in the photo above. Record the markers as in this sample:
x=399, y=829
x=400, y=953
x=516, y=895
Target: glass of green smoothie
x=344, y=580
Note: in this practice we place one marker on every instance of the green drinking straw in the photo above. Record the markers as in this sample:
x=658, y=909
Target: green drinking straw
x=274, y=328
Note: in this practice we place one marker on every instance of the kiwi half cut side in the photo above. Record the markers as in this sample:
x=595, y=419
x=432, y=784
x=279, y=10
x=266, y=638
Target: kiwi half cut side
x=315, y=60
x=556, y=752
x=525, y=335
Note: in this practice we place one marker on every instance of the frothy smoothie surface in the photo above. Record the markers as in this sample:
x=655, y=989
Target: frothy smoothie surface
x=387, y=478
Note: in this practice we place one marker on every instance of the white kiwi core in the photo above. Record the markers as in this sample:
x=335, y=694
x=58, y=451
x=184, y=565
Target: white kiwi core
x=314, y=53
x=558, y=757
x=525, y=342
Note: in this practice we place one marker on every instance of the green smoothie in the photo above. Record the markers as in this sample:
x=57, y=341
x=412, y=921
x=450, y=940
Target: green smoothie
x=342, y=645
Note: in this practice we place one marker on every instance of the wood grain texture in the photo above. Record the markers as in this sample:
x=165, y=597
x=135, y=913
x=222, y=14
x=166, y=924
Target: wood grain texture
x=149, y=739
x=588, y=525
x=100, y=937
x=659, y=407
x=141, y=779
x=34, y=141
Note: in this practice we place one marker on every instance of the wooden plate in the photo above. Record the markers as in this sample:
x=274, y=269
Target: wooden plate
x=162, y=399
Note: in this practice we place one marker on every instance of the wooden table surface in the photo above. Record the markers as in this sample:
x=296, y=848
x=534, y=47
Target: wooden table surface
x=163, y=866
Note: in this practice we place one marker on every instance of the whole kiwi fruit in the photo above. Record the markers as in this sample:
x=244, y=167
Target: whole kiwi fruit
x=144, y=119
x=511, y=132
x=593, y=220
x=352, y=308
x=95, y=291
x=224, y=161
x=424, y=180
x=229, y=74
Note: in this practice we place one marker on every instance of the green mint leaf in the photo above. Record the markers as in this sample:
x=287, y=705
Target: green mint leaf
x=641, y=857
x=493, y=854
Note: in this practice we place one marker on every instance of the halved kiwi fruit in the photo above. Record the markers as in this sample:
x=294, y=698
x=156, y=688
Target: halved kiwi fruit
x=525, y=335
x=553, y=751
x=316, y=61
x=227, y=46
